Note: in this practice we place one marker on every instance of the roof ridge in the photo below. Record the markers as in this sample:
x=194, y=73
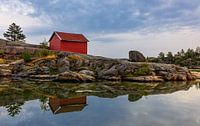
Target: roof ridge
x=68, y=33
x=70, y=36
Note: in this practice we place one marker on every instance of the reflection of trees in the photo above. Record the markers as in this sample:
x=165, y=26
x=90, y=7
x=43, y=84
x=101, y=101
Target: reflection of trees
x=44, y=104
x=197, y=86
x=14, y=109
x=10, y=95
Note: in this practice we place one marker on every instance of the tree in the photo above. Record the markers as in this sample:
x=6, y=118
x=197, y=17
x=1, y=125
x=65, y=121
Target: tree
x=182, y=52
x=44, y=44
x=14, y=33
x=170, y=57
x=190, y=53
x=197, y=50
x=161, y=56
x=14, y=109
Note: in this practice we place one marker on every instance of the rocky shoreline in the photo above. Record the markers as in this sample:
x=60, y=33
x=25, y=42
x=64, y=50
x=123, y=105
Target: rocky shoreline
x=73, y=67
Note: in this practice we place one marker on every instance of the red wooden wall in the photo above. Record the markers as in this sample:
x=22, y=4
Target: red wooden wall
x=79, y=47
x=55, y=43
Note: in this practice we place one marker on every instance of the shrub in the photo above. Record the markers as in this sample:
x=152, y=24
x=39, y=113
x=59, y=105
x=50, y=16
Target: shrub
x=43, y=53
x=44, y=45
x=2, y=61
x=1, y=52
x=143, y=70
x=74, y=57
x=26, y=56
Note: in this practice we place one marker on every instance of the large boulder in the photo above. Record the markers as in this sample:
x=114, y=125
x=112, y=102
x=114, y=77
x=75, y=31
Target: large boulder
x=63, y=65
x=108, y=72
x=136, y=56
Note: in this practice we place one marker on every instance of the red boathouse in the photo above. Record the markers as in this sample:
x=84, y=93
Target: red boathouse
x=68, y=42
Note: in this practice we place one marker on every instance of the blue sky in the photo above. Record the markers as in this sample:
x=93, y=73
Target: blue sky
x=113, y=26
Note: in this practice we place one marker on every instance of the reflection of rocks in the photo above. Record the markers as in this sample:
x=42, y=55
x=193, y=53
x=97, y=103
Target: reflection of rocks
x=17, y=91
x=145, y=79
x=43, y=77
x=196, y=74
x=67, y=104
x=134, y=97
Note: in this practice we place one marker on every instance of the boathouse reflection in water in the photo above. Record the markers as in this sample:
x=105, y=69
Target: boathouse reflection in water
x=64, y=105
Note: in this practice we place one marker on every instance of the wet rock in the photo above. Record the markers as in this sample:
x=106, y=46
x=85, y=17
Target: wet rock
x=196, y=75
x=75, y=77
x=144, y=79
x=181, y=77
x=136, y=56
x=44, y=77
x=87, y=91
x=111, y=78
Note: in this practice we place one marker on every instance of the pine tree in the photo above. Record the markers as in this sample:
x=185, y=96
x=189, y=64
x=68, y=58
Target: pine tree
x=14, y=33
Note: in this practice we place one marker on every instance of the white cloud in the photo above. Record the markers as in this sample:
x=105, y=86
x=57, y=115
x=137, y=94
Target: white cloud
x=118, y=44
x=54, y=1
x=136, y=13
x=20, y=12
x=16, y=6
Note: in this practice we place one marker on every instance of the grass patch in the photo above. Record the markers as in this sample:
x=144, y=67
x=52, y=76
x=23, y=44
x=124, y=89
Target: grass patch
x=2, y=52
x=2, y=61
x=74, y=57
x=143, y=70
x=195, y=70
x=26, y=56
x=43, y=53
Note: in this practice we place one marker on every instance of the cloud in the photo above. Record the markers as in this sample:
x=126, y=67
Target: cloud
x=22, y=13
x=133, y=22
x=118, y=44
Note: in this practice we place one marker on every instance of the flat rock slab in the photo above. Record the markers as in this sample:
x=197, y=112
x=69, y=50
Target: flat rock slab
x=145, y=79
x=43, y=76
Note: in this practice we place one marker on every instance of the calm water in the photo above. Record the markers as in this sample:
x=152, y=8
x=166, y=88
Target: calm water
x=50, y=106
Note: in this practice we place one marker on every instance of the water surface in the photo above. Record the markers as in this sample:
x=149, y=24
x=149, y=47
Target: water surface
x=54, y=104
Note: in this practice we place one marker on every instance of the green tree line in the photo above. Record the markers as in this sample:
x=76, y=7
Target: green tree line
x=189, y=58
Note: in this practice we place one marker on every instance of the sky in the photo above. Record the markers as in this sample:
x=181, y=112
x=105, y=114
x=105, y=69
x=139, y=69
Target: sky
x=113, y=26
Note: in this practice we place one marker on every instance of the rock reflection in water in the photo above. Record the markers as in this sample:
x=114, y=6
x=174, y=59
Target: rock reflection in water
x=66, y=97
